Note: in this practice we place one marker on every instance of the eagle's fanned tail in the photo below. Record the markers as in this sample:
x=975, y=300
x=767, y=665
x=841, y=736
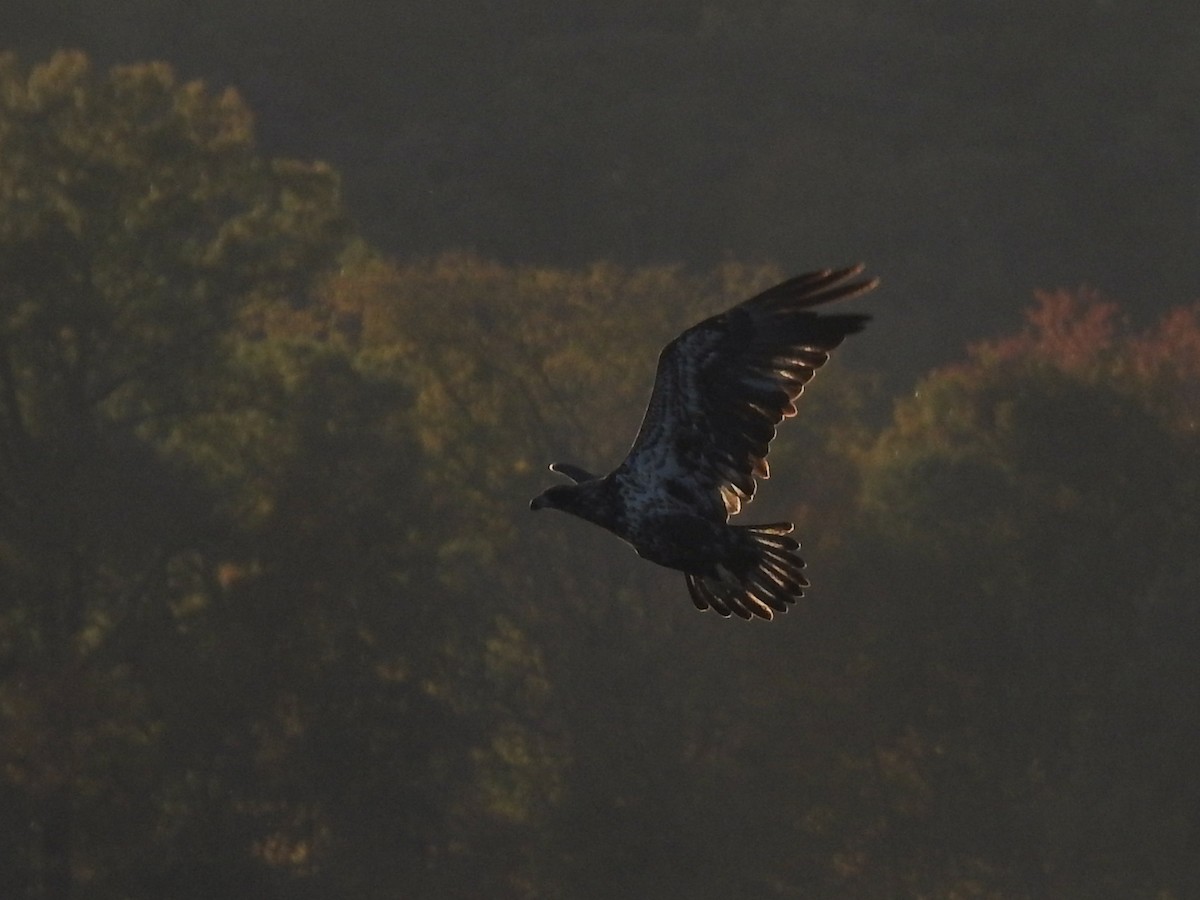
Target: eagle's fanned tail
x=762, y=576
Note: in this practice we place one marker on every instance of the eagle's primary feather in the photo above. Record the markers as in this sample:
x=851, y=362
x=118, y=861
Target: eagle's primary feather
x=721, y=389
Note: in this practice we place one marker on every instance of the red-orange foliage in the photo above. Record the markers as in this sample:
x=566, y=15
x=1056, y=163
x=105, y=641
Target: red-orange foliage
x=1085, y=334
x=1071, y=330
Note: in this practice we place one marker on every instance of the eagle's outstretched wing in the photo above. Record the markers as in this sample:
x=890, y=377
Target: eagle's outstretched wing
x=723, y=385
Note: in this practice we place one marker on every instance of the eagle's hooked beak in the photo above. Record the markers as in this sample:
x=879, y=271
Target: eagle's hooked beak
x=539, y=502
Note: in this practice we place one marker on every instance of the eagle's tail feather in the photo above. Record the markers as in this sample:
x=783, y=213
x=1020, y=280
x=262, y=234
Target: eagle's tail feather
x=764, y=575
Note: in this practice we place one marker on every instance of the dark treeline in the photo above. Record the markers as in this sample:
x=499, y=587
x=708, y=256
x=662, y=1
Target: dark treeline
x=274, y=621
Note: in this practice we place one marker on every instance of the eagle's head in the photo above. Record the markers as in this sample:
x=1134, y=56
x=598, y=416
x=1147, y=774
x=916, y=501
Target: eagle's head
x=590, y=500
x=568, y=497
x=561, y=496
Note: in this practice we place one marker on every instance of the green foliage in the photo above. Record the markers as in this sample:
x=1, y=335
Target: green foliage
x=137, y=223
x=139, y=228
x=215, y=581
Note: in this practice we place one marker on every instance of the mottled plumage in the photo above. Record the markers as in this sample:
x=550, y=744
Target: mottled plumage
x=721, y=389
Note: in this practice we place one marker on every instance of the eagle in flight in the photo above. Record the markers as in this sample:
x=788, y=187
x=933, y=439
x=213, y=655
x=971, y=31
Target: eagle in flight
x=721, y=388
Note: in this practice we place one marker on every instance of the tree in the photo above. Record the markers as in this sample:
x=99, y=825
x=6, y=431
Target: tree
x=138, y=227
x=1033, y=513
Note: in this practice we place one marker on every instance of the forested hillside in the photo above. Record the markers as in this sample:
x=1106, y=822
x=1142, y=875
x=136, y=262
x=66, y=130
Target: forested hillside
x=274, y=620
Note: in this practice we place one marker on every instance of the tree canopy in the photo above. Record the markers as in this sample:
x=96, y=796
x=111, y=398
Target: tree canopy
x=970, y=151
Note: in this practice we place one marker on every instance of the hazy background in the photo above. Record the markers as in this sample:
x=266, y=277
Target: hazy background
x=969, y=151
x=297, y=303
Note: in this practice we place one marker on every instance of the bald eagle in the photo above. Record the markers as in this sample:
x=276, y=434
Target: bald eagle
x=721, y=388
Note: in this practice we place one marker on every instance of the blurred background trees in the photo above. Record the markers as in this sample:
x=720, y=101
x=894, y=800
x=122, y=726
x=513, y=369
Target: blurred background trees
x=138, y=226
x=1035, y=510
x=972, y=151
x=274, y=621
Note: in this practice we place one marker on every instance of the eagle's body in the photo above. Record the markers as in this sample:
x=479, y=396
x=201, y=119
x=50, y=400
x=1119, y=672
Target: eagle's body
x=721, y=388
